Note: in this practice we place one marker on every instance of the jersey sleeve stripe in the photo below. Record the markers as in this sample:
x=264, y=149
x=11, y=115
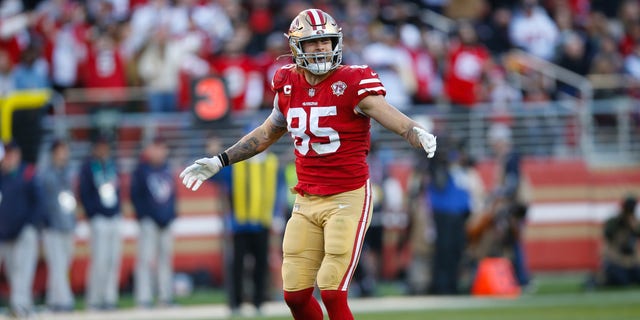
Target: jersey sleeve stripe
x=370, y=80
x=374, y=89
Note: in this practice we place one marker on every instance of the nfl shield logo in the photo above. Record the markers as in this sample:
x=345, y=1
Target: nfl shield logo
x=338, y=88
x=312, y=92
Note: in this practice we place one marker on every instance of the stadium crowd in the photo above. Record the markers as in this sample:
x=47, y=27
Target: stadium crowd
x=162, y=45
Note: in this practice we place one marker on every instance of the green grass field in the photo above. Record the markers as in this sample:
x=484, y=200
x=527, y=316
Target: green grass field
x=605, y=305
x=556, y=297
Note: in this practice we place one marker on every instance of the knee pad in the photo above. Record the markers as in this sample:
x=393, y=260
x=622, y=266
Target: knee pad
x=290, y=279
x=330, y=274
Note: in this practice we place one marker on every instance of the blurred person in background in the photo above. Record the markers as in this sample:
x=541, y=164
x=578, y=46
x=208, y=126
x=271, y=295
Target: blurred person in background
x=273, y=58
x=423, y=64
x=621, y=257
x=60, y=222
x=21, y=216
x=450, y=199
x=144, y=21
x=242, y=75
x=393, y=64
x=493, y=31
x=33, y=70
x=532, y=30
x=66, y=32
x=574, y=57
x=326, y=107
x=467, y=65
x=99, y=189
x=160, y=64
x=253, y=200
x=7, y=84
x=105, y=65
x=153, y=195
x=510, y=199
x=15, y=28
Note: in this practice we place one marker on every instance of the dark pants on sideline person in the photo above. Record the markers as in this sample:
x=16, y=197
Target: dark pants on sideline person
x=617, y=275
x=449, y=246
x=256, y=245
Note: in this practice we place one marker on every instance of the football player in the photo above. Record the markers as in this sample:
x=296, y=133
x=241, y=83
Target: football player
x=326, y=108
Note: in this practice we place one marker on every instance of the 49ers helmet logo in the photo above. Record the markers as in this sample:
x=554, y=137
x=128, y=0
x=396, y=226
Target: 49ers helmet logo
x=338, y=88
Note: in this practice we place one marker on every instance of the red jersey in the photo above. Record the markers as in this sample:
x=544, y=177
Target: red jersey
x=244, y=80
x=330, y=135
x=464, y=76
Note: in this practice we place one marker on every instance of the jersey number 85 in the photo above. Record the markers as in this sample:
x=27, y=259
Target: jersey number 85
x=311, y=121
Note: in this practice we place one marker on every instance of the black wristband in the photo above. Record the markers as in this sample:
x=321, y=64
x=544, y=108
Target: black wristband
x=224, y=158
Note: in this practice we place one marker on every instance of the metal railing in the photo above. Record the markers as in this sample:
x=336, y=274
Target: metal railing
x=553, y=129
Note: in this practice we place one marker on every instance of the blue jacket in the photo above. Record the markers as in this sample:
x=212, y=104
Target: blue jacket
x=59, y=200
x=99, y=188
x=20, y=202
x=153, y=193
x=451, y=198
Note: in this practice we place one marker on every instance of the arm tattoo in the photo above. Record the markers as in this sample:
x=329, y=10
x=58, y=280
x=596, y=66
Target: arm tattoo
x=243, y=149
x=255, y=142
x=412, y=138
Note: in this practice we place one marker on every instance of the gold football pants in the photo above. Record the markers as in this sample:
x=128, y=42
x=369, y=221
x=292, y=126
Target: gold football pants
x=323, y=239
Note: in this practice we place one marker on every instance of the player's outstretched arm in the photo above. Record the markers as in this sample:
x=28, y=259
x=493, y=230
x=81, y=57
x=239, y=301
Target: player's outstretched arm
x=251, y=144
x=376, y=107
x=255, y=141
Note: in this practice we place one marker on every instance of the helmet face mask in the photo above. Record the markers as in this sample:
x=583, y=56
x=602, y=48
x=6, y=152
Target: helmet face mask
x=315, y=24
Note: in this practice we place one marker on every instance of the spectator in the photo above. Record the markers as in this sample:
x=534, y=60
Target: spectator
x=214, y=20
x=100, y=197
x=14, y=28
x=242, y=75
x=423, y=64
x=502, y=96
x=511, y=198
x=393, y=65
x=67, y=37
x=20, y=213
x=144, y=20
x=533, y=30
x=33, y=70
x=621, y=259
x=153, y=195
x=269, y=61
x=105, y=65
x=261, y=21
x=160, y=65
x=467, y=64
x=628, y=18
x=60, y=217
x=449, y=194
x=632, y=64
x=7, y=84
x=573, y=57
x=253, y=200
x=494, y=31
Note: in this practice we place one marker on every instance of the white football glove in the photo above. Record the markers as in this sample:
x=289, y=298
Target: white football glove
x=427, y=140
x=200, y=171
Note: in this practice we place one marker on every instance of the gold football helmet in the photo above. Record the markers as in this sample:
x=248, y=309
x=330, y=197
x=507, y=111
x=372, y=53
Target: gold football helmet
x=313, y=24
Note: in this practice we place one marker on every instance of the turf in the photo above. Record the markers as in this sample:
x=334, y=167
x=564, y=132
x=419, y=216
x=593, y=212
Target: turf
x=604, y=305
